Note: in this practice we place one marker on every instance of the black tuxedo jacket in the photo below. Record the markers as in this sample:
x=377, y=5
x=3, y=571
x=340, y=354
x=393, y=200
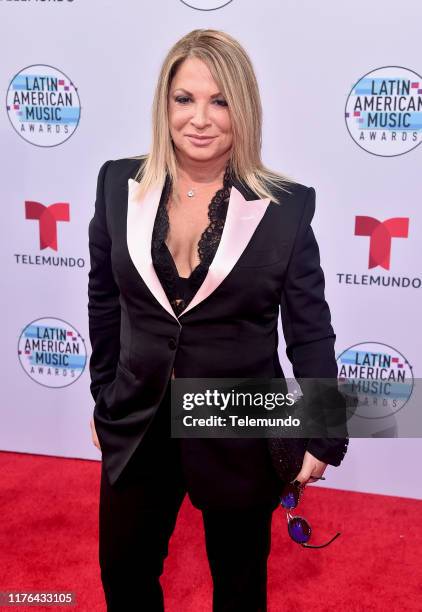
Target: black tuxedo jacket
x=267, y=261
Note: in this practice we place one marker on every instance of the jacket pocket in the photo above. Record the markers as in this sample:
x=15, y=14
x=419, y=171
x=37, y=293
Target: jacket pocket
x=121, y=396
x=123, y=371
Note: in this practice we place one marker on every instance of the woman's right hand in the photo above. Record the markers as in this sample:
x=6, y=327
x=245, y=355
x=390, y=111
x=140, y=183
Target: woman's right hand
x=94, y=436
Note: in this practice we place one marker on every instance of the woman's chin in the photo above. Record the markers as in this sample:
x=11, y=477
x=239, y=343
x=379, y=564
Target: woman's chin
x=201, y=154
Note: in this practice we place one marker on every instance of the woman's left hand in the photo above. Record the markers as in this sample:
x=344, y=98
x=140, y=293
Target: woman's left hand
x=311, y=467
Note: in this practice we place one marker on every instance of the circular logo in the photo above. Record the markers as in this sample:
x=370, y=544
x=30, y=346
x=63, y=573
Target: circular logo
x=43, y=105
x=378, y=376
x=52, y=352
x=206, y=5
x=384, y=111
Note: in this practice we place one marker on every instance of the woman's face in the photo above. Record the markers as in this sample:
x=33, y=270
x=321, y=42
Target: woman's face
x=199, y=117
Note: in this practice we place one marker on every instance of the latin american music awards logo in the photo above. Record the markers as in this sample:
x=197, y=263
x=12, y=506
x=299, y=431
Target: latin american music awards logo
x=52, y=352
x=206, y=5
x=384, y=111
x=380, y=377
x=43, y=105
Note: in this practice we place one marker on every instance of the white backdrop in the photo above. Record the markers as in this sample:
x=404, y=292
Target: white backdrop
x=106, y=55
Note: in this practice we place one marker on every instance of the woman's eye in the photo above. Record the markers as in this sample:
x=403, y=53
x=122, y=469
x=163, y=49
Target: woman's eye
x=182, y=99
x=186, y=99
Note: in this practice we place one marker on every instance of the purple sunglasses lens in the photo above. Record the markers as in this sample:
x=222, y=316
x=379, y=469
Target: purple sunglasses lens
x=299, y=529
x=289, y=497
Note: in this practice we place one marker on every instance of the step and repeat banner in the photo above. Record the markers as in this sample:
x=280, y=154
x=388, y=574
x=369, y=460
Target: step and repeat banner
x=341, y=89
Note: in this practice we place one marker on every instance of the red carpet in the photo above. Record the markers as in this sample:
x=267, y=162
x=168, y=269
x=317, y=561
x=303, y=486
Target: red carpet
x=48, y=541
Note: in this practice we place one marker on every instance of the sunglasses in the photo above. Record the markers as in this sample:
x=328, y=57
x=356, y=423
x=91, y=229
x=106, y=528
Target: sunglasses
x=299, y=529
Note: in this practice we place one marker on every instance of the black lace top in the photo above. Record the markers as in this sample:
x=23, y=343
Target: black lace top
x=180, y=290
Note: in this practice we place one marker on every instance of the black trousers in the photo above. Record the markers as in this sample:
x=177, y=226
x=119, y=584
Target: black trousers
x=137, y=516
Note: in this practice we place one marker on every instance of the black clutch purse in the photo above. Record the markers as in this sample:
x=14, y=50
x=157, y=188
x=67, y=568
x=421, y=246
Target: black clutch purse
x=287, y=456
x=287, y=453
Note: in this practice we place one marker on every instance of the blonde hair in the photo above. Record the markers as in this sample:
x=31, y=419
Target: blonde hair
x=233, y=72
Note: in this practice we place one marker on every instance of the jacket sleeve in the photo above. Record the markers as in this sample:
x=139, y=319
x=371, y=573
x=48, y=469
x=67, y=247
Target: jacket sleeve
x=103, y=296
x=306, y=321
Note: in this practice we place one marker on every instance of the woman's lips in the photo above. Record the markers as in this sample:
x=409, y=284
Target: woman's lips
x=200, y=141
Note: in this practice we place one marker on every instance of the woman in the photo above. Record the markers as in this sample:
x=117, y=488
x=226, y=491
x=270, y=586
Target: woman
x=194, y=249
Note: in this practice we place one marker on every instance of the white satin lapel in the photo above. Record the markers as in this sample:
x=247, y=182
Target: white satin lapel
x=141, y=215
x=243, y=217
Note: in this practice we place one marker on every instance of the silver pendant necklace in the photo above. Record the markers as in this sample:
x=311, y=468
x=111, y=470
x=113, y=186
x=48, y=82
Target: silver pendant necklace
x=191, y=193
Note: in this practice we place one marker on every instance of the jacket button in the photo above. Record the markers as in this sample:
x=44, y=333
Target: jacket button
x=172, y=343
